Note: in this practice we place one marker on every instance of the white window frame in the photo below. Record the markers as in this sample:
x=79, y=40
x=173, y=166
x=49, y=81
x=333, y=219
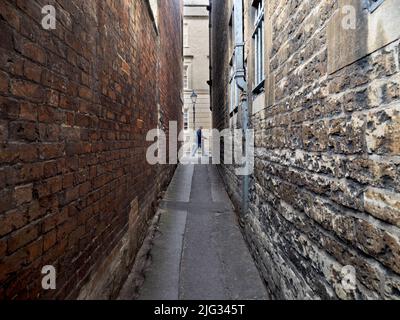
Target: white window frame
x=233, y=90
x=154, y=8
x=186, y=35
x=186, y=120
x=186, y=73
x=259, y=44
x=374, y=4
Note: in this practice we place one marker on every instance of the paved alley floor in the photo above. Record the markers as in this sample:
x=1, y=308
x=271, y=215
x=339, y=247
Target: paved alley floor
x=199, y=252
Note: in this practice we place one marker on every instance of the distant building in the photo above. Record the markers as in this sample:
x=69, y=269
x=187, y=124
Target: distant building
x=196, y=67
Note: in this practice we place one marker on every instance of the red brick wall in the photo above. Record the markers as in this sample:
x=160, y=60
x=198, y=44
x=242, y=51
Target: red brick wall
x=75, y=106
x=171, y=54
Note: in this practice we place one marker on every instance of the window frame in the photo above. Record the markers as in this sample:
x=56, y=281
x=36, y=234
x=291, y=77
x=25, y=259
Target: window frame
x=186, y=35
x=186, y=76
x=258, y=37
x=154, y=9
x=186, y=120
x=233, y=90
x=373, y=5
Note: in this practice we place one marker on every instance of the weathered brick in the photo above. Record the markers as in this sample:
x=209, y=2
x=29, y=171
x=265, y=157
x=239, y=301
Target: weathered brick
x=32, y=71
x=11, y=63
x=6, y=200
x=34, y=250
x=4, y=82
x=85, y=93
x=49, y=186
x=22, y=237
x=25, y=131
x=52, y=98
x=3, y=247
x=85, y=188
x=12, y=152
x=71, y=194
x=29, y=90
x=51, y=151
x=34, y=211
x=9, y=108
x=77, y=148
x=12, y=264
x=54, y=220
x=82, y=120
x=30, y=172
x=23, y=194
x=66, y=228
x=9, y=14
x=49, y=240
x=3, y=131
x=28, y=112
x=48, y=114
x=6, y=38
x=50, y=169
x=66, y=149
x=32, y=51
x=11, y=221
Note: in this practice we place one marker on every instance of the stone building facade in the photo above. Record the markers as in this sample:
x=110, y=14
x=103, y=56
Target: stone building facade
x=196, y=68
x=324, y=202
x=76, y=102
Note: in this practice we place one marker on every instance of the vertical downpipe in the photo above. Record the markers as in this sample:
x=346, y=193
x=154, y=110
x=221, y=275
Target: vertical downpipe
x=209, y=82
x=242, y=85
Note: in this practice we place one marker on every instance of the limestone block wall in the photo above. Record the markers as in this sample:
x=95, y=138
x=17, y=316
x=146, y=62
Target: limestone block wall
x=325, y=191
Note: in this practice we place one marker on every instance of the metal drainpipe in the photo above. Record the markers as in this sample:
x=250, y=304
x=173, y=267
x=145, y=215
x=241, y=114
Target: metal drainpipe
x=209, y=82
x=242, y=84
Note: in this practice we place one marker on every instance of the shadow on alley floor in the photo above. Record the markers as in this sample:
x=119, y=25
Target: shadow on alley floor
x=199, y=252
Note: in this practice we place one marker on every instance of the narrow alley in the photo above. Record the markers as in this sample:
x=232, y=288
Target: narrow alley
x=179, y=150
x=198, y=252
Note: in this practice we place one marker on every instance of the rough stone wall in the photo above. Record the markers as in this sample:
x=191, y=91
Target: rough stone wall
x=220, y=56
x=75, y=106
x=325, y=192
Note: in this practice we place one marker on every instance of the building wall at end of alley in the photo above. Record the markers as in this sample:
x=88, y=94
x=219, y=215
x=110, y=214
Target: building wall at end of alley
x=196, y=65
x=324, y=196
x=76, y=103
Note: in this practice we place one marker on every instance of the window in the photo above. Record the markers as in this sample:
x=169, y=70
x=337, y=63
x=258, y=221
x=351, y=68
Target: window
x=154, y=8
x=186, y=35
x=232, y=37
x=259, y=45
x=374, y=4
x=186, y=77
x=186, y=120
x=233, y=89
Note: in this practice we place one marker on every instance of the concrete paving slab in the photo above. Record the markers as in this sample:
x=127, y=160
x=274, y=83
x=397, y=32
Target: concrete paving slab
x=200, y=252
x=162, y=278
x=181, y=184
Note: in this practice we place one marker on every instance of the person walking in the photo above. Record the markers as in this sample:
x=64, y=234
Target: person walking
x=199, y=141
